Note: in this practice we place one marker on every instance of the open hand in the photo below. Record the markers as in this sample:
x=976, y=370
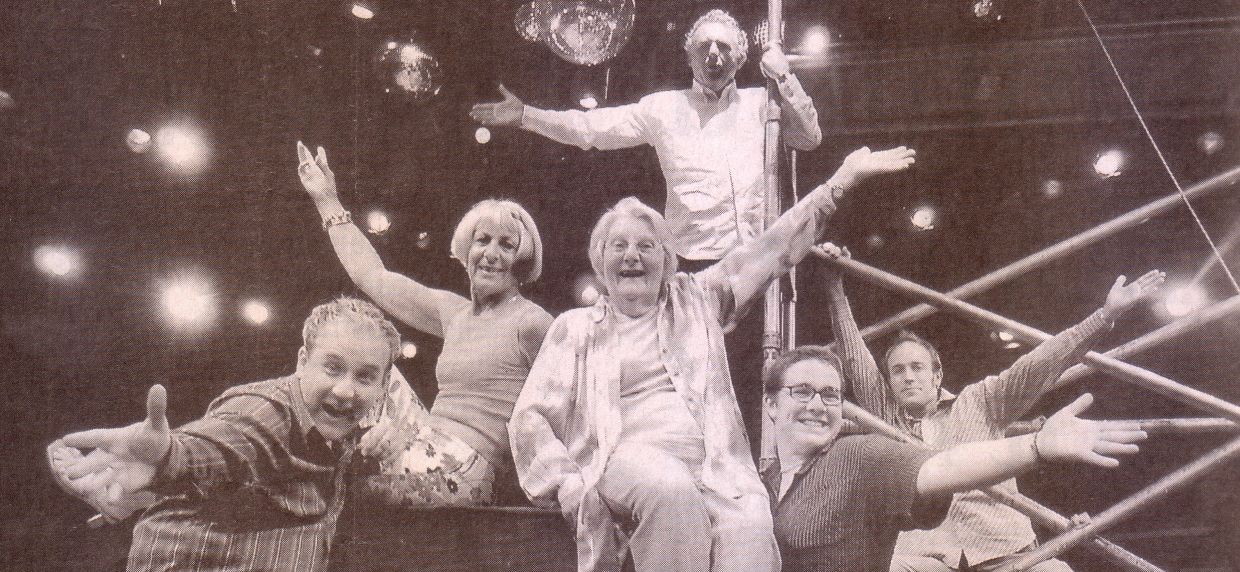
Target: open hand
x=316, y=176
x=864, y=163
x=506, y=112
x=1066, y=437
x=1122, y=297
x=133, y=454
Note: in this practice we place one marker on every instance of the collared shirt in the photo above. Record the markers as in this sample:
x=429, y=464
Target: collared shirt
x=567, y=420
x=845, y=507
x=977, y=526
x=253, y=486
x=710, y=148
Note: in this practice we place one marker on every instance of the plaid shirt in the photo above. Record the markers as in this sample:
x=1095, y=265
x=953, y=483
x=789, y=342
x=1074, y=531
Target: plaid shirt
x=253, y=486
x=567, y=419
x=977, y=525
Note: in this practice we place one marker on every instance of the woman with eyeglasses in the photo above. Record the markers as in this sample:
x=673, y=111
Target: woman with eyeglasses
x=839, y=502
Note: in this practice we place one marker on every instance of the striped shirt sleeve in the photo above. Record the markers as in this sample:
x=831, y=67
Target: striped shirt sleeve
x=243, y=439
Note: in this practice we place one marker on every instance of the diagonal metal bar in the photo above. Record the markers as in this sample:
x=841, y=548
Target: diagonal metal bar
x=1106, y=519
x=1023, y=504
x=1127, y=372
x=1191, y=426
x=1160, y=336
x=1057, y=251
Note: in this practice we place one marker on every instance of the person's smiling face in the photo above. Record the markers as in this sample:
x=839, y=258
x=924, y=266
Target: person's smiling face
x=491, y=258
x=343, y=376
x=633, y=265
x=807, y=427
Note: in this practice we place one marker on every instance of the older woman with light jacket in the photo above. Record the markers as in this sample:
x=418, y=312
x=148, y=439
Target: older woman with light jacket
x=629, y=416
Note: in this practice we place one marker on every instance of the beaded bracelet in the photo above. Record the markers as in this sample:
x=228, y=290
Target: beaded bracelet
x=342, y=217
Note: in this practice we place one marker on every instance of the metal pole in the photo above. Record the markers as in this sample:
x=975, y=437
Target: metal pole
x=1127, y=372
x=1056, y=252
x=1158, y=337
x=1191, y=426
x=1021, y=503
x=1127, y=507
x=773, y=324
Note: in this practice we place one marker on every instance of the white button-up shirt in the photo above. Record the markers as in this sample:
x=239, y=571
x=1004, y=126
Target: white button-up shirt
x=710, y=149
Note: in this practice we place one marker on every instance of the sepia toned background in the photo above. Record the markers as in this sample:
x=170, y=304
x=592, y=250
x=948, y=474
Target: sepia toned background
x=1009, y=105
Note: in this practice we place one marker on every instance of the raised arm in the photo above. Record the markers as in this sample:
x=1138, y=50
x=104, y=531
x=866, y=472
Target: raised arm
x=797, y=113
x=861, y=372
x=604, y=128
x=407, y=300
x=749, y=268
x=539, y=422
x=1012, y=393
x=1064, y=438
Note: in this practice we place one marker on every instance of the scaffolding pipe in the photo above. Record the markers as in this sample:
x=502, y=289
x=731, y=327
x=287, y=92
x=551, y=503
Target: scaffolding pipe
x=1057, y=251
x=1021, y=503
x=1127, y=372
x=1176, y=480
x=773, y=329
x=1192, y=426
x=1158, y=337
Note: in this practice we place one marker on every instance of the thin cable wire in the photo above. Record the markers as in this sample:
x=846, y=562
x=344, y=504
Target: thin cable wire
x=1201, y=226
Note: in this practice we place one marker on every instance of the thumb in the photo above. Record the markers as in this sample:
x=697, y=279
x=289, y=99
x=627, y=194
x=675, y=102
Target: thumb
x=1119, y=280
x=1079, y=406
x=321, y=161
x=157, y=408
x=507, y=94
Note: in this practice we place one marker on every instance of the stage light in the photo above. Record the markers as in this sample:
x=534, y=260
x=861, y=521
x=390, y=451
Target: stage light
x=1210, y=142
x=482, y=135
x=139, y=141
x=875, y=242
x=1052, y=189
x=586, y=289
x=314, y=50
x=7, y=101
x=1110, y=163
x=588, y=102
x=815, y=41
x=424, y=240
x=189, y=301
x=57, y=261
x=182, y=146
x=361, y=12
x=1184, y=300
x=256, y=312
x=409, y=350
x=924, y=218
x=378, y=222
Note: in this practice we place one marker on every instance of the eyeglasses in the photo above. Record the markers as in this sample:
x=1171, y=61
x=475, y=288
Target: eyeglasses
x=805, y=392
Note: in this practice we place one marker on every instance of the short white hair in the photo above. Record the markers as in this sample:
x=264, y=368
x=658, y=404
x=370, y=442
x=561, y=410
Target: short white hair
x=721, y=17
x=634, y=208
x=528, y=266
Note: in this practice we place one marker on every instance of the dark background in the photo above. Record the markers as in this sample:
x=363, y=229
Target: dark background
x=993, y=107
